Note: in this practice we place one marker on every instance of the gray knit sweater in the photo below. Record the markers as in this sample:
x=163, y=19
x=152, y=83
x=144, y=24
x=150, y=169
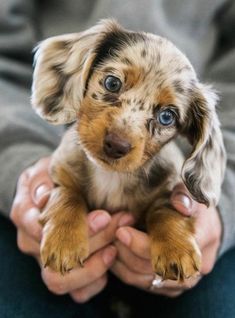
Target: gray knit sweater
x=203, y=29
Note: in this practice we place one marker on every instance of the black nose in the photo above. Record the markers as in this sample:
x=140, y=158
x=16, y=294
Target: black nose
x=115, y=147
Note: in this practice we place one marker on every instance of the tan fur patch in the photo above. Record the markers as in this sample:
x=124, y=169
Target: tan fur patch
x=132, y=76
x=173, y=245
x=165, y=96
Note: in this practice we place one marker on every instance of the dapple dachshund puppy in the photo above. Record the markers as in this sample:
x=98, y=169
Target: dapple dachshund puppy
x=128, y=95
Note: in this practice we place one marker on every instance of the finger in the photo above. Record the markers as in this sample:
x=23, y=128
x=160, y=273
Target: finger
x=107, y=235
x=97, y=221
x=94, y=268
x=22, y=193
x=27, y=245
x=38, y=259
x=172, y=285
x=138, y=242
x=182, y=200
x=129, y=277
x=40, y=181
x=29, y=224
x=131, y=261
x=144, y=281
x=208, y=227
x=41, y=194
x=209, y=255
x=41, y=166
x=86, y=293
x=23, y=178
x=168, y=293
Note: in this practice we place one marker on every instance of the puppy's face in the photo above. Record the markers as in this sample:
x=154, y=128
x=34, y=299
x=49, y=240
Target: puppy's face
x=136, y=100
x=130, y=93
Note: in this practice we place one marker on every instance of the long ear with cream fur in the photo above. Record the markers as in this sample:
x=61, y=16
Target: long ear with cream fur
x=203, y=171
x=62, y=64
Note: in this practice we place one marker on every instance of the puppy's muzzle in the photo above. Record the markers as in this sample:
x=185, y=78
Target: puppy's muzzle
x=115, y=147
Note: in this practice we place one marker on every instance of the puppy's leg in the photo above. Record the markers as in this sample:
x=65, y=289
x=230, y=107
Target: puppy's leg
x=174, y=250
x=65, y=235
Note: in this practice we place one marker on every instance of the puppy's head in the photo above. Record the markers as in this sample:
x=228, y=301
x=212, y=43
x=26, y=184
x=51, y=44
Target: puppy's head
x=131, y=93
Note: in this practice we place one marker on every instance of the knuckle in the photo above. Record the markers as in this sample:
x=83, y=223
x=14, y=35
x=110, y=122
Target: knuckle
x=44, y=161
x=103, y=282
x=33, y=225
x=172, y=294
x=217, y=236
x=18, y=211
x=144, y=267
x=23, y=177
x=22, y=243
x=94, y=274
x=14, y=213
x=81, y=296
x=207, y=268
x=53, y=282
x=36, y=232
x=128, y=279
x=34, y=229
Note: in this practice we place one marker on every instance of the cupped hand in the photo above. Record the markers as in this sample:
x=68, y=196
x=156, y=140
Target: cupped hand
x=32, y=193
x=133, y=265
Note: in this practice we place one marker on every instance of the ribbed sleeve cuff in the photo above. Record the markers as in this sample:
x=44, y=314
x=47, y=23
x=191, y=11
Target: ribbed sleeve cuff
x=15, y=159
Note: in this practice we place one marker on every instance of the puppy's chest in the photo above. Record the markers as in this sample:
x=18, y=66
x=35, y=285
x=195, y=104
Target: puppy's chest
x=114, y=191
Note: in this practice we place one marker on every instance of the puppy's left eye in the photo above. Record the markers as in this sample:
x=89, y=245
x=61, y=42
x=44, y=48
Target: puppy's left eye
x=112, y=84
x=166, y=117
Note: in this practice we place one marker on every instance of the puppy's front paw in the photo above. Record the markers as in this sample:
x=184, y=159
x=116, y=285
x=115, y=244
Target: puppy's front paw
x=176, y=260
x=63, y=249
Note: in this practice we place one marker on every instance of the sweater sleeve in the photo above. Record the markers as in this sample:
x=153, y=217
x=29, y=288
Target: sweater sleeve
x=221, y=71
x=24, y=137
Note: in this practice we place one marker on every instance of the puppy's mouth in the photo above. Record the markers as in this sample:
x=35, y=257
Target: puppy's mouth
x=105, y=161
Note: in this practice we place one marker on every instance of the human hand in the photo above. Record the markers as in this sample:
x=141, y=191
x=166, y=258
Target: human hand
x=84, y=283
x=33, y=191
x=133, y=265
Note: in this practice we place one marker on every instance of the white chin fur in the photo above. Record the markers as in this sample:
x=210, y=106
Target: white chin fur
x=92, y=159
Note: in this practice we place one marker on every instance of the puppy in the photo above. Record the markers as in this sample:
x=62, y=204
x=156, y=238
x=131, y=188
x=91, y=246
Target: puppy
x=128, y=95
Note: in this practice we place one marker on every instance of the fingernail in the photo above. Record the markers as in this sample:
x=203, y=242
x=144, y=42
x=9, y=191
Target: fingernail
x=124, y=236
x=40, y=192
x=126, y=219
x=183, y=199
x=99, y=221
x=157, y=282
x=109, y=255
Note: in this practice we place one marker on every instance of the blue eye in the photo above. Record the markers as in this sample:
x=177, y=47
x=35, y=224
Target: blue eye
x=166, y=117
x=112, y=84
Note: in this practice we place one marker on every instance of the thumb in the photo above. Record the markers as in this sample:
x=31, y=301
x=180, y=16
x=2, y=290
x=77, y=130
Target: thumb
x=182, y=200
x=41, y=194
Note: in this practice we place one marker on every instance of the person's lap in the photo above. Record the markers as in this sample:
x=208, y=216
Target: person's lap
x=23, y=294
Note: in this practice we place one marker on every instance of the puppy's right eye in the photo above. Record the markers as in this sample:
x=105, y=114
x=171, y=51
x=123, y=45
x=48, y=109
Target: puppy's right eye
x=112, y=84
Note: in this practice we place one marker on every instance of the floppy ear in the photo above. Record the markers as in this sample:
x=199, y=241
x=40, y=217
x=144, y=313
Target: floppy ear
x=62, y=65
x=203, y=171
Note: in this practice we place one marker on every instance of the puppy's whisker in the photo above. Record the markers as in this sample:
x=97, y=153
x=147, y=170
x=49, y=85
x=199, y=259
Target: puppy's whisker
x=145, y=174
